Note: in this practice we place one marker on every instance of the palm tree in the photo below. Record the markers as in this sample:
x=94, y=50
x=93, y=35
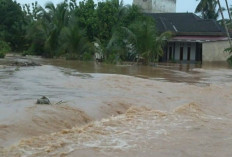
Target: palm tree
x=145, y=40
x=208, y=9
x=55, y=20
x=74, y=40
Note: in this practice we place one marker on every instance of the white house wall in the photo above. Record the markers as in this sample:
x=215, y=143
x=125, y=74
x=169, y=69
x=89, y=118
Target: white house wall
x=185, y=52
x=214, y=51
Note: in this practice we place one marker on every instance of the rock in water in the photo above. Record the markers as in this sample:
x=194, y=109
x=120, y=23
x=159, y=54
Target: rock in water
x=43, y=100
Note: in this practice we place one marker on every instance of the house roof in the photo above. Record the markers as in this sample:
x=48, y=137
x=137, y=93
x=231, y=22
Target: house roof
x=186, y=24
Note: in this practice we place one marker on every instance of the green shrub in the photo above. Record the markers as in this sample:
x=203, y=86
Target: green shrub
x=2, y=54
x=229, y=60
x=87, y=57
x=4, y=48
x=25, y=53
x=72, y=56
x=113, y=59
x=229, y=51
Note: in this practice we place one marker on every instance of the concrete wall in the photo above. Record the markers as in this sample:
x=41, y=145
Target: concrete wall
x=146, y=5
x=164, y=6
x=156, y=6
x=214, y=51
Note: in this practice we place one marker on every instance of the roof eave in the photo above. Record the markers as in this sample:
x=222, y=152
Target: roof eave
x=199, y=33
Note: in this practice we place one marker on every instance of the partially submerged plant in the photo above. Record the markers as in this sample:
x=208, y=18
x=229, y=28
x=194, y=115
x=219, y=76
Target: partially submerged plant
x=229, y=59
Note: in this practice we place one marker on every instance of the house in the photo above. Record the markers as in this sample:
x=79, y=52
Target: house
x=194, y=40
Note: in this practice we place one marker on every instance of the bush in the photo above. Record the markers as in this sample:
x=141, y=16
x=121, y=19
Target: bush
x=229, y=51
x=4, y=48
x=87, y=57
x=2, y=54
x=229, y=60
x=25, y=53
x=113, y=59
x=72, y=56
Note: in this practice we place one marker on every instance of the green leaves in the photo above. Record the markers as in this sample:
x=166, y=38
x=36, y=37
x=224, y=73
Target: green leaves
x=75, y=41
x=229, y=51
x=122, y=31
x=4, y=48
x=87, y=18
x=208, y=9
x=12, y=23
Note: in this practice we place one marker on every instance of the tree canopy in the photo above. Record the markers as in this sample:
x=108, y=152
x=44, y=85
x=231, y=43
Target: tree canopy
x=70, y=29
x=208, y=9
x=12, y=23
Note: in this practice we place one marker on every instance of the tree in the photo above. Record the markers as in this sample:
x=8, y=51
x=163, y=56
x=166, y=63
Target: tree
x=116, y=45
x=12, y=24
x=208, y=9
x=75, y=42
x=87, y=18
x=147, y=43
x=46, y=29
x=106, y=20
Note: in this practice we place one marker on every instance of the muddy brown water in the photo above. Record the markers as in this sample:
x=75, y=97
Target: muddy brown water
x=115, y=110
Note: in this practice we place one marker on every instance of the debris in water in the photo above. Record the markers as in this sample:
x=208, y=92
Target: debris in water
x=43, y=100
x=24, y=64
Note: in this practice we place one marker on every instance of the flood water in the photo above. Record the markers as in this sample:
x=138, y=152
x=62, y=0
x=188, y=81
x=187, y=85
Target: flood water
x=115, y=110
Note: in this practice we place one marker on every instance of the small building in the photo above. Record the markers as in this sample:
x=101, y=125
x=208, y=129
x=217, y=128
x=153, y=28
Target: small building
x=194, y=40
x=156, y=6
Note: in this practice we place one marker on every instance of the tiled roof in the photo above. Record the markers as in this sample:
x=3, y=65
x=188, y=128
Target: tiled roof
x=186, y=23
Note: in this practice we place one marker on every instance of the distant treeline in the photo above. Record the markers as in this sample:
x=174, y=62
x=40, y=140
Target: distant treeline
x=116, y=31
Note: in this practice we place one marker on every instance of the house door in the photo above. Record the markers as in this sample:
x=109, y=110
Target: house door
x=181, y=53
x=189, y=53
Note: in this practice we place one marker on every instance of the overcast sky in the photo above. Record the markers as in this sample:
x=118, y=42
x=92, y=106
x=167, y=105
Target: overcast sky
x=182, y=5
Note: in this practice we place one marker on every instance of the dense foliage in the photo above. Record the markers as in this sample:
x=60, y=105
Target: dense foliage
x=208, y=9
x=4, y=48
x=121, y=32
x=12, y=24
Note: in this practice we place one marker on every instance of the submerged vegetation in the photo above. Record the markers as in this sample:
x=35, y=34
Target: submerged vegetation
x=68, y=29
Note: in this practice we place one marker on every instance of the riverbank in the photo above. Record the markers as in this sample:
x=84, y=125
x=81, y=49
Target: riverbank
x=179, y=112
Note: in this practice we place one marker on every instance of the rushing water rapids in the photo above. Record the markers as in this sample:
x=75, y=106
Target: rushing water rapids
x=170, y=113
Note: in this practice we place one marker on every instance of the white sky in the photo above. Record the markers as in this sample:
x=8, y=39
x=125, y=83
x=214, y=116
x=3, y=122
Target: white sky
x=182, y=5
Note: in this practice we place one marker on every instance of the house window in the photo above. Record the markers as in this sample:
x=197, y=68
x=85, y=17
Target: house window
x=170, y=53
x=189, y=53
x=181, y=53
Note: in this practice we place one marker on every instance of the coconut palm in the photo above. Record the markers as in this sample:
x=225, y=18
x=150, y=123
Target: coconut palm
x=147, y=43
x=208, y=9
x=46, y=29
x=74, y=41
x=55, y=20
